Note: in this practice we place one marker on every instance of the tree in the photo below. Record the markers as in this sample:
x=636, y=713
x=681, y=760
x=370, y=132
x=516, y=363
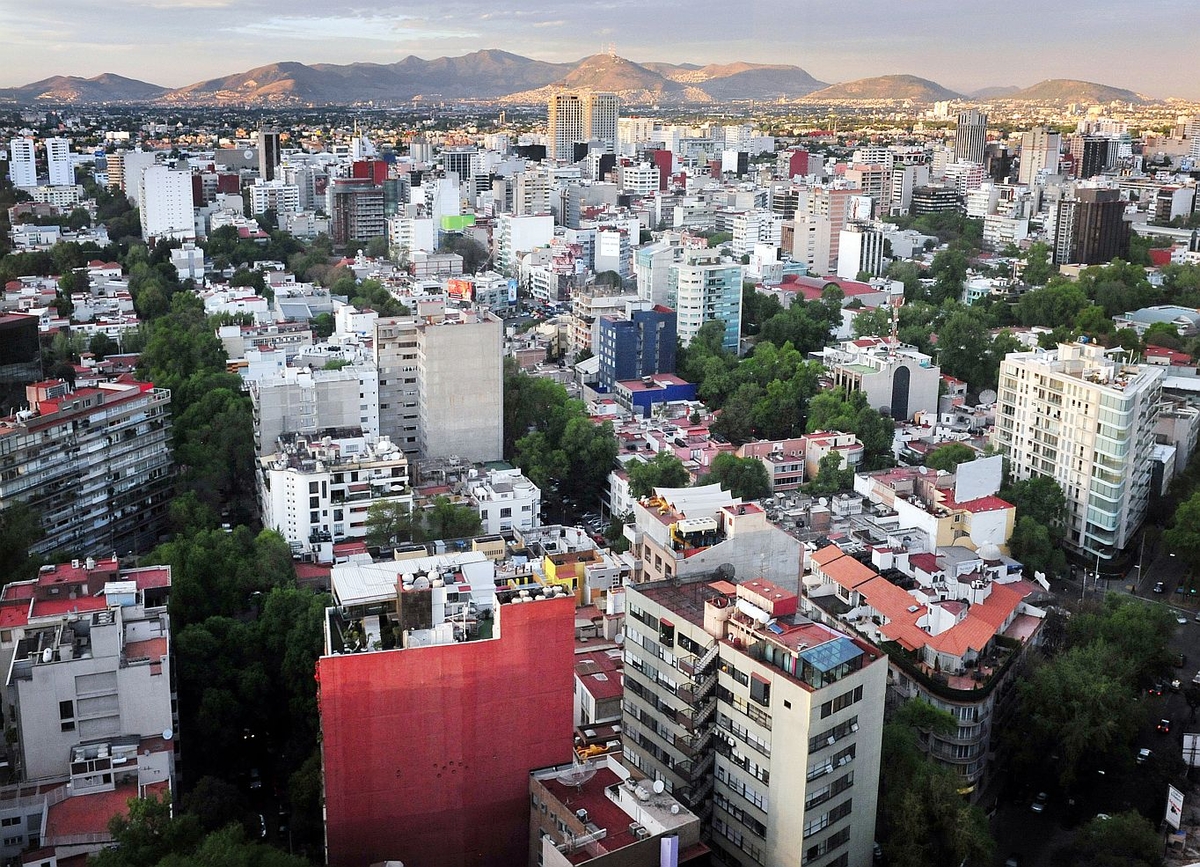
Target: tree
x=148, y=834
x=20, y=527
x=322, y=326
x=1123, y=840
x=949, y=271
x=1037, y=268
x=830, y=478
x=1038, y=548
x=446, y=519
x=923, y=818
x=1183, y=537
x=835, y=411
x=742, y=477
x=949, y=456
x=664, y=470
x=475, y=255
x=389, y=523
x=101, y=345
x=1038, y=497
x=735, y=422
x=214, y=448
x=1163, y=334
x=377, y=247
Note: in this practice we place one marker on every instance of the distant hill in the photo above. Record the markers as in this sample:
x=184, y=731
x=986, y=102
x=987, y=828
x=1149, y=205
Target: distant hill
x=993, y=92
x=1072, y=90
x=893, y=87
x=72, y=89
x=501, y=75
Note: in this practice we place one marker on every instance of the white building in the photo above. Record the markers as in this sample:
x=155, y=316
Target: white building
x=1085, y=418
x=58, y=161
x=274, y=196
x=751, y=228
x=506, y=500
x=302, y=400
x=1039, y=154
x=860, y=248
x=515, y=235
x=316, y=490
x=641, y=179
x=702, y=287
x=22, y=163
x=651, y=266
x=165, y=199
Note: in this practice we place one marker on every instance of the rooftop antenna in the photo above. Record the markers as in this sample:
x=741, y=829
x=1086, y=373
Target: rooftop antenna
x=612, y=49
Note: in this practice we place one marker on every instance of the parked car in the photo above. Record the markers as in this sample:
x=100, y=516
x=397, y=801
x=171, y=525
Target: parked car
x=1155, y=689
x=1143, y=755
x=1164, y=726
x=1039, y=803
x=1013, y=860
x=1158, y=587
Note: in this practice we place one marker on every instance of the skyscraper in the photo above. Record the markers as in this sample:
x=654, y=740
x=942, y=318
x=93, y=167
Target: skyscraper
x=268, y=153
x=166, y=202
x=22, y=166
x=1039, y=152
x=58, y=158
x=565, y=126
x=970, y=136
x=575, y=117
x=1090, y=229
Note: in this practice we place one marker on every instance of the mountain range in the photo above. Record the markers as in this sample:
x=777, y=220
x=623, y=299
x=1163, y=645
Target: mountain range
x=502, y=76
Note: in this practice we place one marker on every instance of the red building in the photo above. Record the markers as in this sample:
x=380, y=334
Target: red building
x=427, y=750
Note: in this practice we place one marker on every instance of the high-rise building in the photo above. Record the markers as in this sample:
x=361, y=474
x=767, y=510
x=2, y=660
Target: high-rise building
x=93, y=463
x=1090, y=229
x=860, y=248
x=601, y=113
x=22, y=163
x=356, y=209
x=640, y=344
x=1083, y=416
x=763, y=722
x=438, y=695
x=274, y=196
x=460, y=161
x=269, y=154
x=565, y=126
x=700, y=288
x=460, y=387
x=1093, y=155
x=58, y=161
x=580, y=117
x=165, y=198
x=1039, y=153
x=970, y=136
x=821, y=214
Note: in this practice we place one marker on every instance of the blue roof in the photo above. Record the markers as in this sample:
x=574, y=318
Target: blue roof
x=828, y=656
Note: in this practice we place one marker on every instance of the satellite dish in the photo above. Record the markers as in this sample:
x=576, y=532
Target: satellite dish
x=168, y=734
x=988, y=395
x=822, y=501
x=659, y=785
x=576, y=775
x=249, y=154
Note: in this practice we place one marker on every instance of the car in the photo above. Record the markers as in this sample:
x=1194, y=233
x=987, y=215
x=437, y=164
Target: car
x=1143, y=755
x=1039, y=803
x=1176, y=684
x=877, y=853
x=1180, y=619
x=1181, y=660
x=1103, y=816
x=1159, y=587
x=255, y=779
x=1013, y=860
x=262, y=825
x=1155, y=689
x=1163, y=727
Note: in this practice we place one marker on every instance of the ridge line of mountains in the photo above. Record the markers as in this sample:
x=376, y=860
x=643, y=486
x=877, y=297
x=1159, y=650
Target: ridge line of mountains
x=500, y=76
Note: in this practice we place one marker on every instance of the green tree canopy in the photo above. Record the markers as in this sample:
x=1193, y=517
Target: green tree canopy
x=949, y=456
x=1124, y=840
x=664, y=470
x=742, y=477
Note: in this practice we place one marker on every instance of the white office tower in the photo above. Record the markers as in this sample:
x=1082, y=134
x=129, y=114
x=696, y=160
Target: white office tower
x=22, y=166
x=970, y=136
x=1084, y=417
x=601, y=113
x=565, y=126
x=860, y=248
x=165, y=198
x=1039, y=153
x=58, y=158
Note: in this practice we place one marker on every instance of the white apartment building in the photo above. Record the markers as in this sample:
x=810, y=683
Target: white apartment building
x=515, y=235
x=651, y=267
x=407, y=235
x=506, y=501
x=316, y=490
x=565, y=125
x=1085, y=418
x=764, y=723
x=165, y=199
x=58, y=162
x=303, y=400
x=641, y=179
x=702, y=287
x=860, y=248
x=614, y=251
x=1040, y=150
x=277, y=196
x=22, y=162
x=751, y=228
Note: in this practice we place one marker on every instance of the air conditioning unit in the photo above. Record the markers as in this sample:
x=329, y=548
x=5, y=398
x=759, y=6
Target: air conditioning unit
x=853, y=727
x=581, y=815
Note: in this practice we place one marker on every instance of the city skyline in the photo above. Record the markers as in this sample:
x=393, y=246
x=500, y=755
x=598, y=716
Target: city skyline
x=184, y=41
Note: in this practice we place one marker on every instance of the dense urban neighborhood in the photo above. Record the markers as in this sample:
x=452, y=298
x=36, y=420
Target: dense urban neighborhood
x=608, y=465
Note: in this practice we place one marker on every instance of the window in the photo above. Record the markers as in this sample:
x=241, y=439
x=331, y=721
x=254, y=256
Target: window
x=313, y=487
x=506, y=513
x=842, y=702
x=760, y=690
x=66, y=710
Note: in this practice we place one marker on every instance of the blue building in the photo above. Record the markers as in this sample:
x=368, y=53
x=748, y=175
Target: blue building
x=642, y=345
x=640, y=395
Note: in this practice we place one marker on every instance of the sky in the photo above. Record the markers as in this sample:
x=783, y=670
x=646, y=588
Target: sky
x=1152, y=47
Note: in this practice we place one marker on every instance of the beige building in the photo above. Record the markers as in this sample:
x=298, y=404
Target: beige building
x=764, y=723
x=1084, y=417
x=895, y=377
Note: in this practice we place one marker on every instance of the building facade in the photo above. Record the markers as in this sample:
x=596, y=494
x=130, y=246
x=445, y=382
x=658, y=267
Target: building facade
x=764, y=723
x=1085, y=418
x=641, y=345
x=702, y=287
x=94, y=464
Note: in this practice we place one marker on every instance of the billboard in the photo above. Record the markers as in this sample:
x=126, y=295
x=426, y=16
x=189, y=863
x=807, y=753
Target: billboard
x=457, y=222
x=1174, y=806
x=460, y=289
x=512, y=290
